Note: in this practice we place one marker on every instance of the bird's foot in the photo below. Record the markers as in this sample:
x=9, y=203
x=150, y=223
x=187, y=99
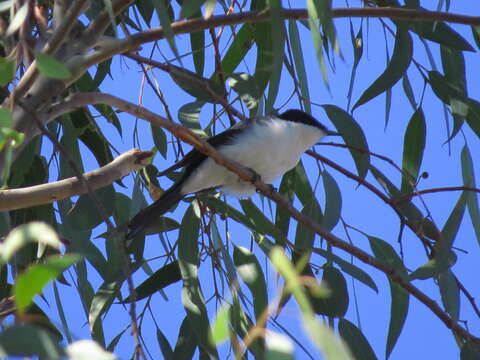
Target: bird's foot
x=255, y=176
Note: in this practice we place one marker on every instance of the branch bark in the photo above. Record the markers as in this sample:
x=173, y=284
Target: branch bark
x=246, y=175
x=121, y=166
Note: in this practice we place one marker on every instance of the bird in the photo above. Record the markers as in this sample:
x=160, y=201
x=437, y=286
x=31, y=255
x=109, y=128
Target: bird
x=268, y=145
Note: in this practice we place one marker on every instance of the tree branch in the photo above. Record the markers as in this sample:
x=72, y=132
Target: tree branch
x=247, y=175
x=186, y=26
x=121, y=166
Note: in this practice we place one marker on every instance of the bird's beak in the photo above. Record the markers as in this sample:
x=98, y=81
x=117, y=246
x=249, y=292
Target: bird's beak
x=332, y=133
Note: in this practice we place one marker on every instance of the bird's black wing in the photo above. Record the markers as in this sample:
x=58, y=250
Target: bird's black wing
x=194, y=158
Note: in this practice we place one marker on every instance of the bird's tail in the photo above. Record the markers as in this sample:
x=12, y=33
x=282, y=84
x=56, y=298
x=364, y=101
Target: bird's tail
x=146, y=216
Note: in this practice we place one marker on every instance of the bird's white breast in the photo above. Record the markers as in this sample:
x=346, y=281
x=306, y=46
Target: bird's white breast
x=269, y=146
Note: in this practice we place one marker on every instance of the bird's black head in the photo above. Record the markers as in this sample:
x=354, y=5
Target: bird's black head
x=302, y=117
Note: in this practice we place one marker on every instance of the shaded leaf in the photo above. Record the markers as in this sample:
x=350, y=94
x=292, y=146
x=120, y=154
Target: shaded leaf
x=7, y=71
x=450, y=293
x=102, y=301
x=18, y=19
x=186, y=343
x=165, y=347
x=245, y=86
x=333, y=202
x=353, y=136
x=189, y=116
x=413, y=147
x=28, y=340
x=163, y=277
x=400, y=297
x=356, y=341
x=336, y=303
x=468, y=175
x=396, y=68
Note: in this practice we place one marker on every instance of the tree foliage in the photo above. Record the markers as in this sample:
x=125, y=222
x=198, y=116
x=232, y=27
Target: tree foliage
x=66, y=109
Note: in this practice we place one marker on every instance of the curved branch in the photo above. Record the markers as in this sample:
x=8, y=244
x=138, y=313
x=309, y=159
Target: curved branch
x=247, y=175
x=131, y=43
x=121, y=166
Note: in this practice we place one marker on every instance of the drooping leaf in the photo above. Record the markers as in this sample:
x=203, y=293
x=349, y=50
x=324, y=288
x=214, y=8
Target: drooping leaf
x=313, y=19
x=299, y=64
x=396, y=68
x=336, y=303
x=356, y=341
x=186, y=343
x=189, y=116
x=468, y=175
x=400, y=297
x=166, y=275
x=241, y=44
x=450, y=293
x=413, y=147
x=165, y=347
x=252, y=274
x=353, y=136
x=333, y=201
x=357, y=44
x=102, y=301
x=163, y=15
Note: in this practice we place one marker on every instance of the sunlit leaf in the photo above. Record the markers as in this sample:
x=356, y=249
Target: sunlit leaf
x=33, y=232
x=278, y=347
x=51, y=67
x=219, y=331
x=87, y=349
x=33, y=280
x=18, y=19
x=245, y=86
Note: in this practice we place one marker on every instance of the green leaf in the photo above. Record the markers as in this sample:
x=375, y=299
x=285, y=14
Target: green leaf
x=219, y=332
x=163, y=277
x=252, y=274
x=165, y=347
x=299, y=64
x=85, y=214
x=356, y=341
x=28, y=340
x=400, y=297
x=353, y=136
x=192, y=297
x=468, y=175
x=440, y=33
x=313, y=18
x=197, y=43
x=246, y=87
x=434, y=267
x=199, y=87
x=333, y=202
x=51, y=67
x=336, y=303
x=186, y=343
x=396, y=68
x=348, y=268
x=5, y=118
x=7, y=70
x=102, y=301
x=160, y=140
x=241, y=44
x=450, y=293
x=189, y=116
x=277, y=28
x=163, y=15
x=259, y=221
x=33, y=232
x=357, y=44
x=470, y=351
x=36, y=277
x=413, y=147
x=18, y=19
x=450, y=229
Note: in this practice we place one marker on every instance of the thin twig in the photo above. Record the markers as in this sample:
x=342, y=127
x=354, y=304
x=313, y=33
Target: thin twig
x=407, y=197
